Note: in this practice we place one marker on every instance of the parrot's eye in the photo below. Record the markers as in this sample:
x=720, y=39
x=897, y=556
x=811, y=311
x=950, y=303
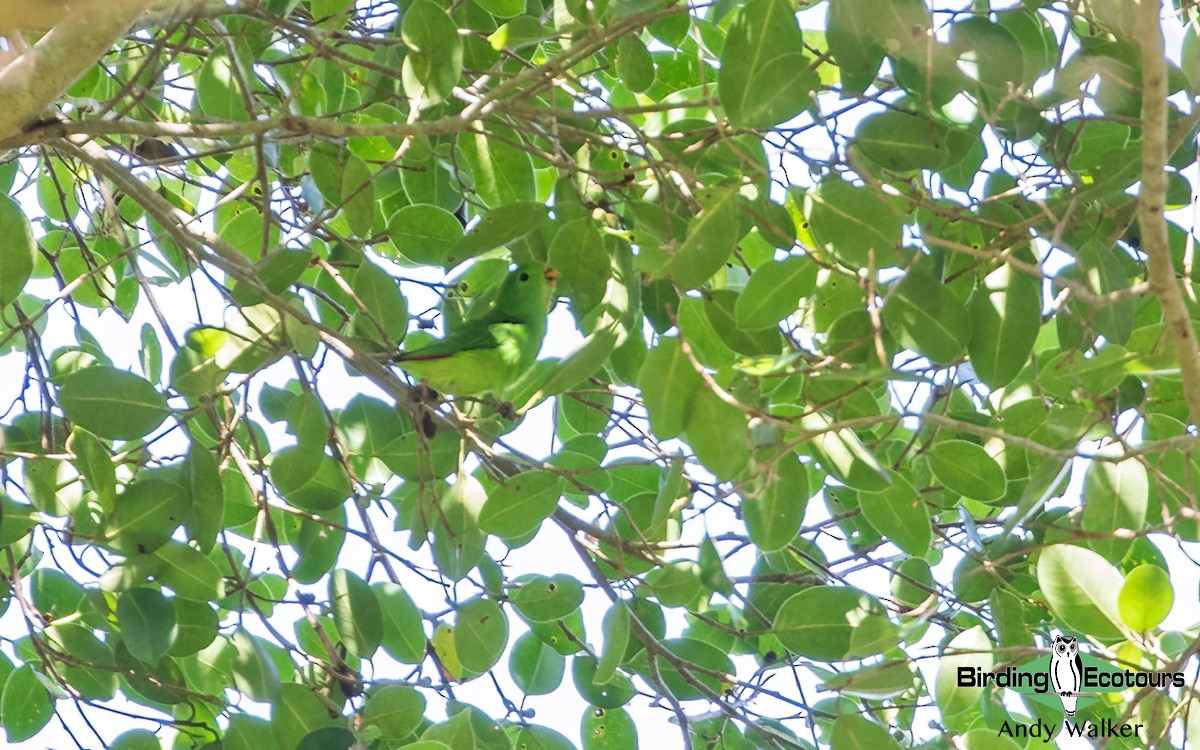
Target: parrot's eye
x=524, y=276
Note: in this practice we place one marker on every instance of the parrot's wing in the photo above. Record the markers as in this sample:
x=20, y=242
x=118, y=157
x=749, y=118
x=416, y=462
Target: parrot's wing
x=463, y=339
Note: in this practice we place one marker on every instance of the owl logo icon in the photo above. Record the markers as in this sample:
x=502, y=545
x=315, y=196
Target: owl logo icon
x=1066, y=671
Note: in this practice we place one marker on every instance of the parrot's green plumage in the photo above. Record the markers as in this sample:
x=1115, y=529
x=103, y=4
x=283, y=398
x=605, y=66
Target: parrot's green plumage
x=492, y=345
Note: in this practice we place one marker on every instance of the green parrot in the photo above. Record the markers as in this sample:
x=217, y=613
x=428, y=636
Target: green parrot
x=493, y=344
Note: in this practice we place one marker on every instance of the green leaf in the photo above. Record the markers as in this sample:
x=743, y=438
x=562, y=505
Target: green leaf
x=346, y=182
x=502, y=8
x=136, y=739
x=219, y=93
x=434, y=61
x=150, y=356
x=578, y=253
x=608, y=326
x=498, y=227
x=95, y=463
x=967, y=469
x=536, y=668
x=521, y=503
x=844, y=456
x=323, y=10
x=989, y=53
x=774, y=292
x=819, y=622
x=245, y=231
x=635, y=64
x=1115, y=496
x=425, y=234
x=764, y=79
x=189, y=573
x=709, y=241
x=1071, y=375
x=856, y=733
x=856, y=225
x=585, y=412
x=384, y=314
x=403, y=629
x=675, y=584
x=468, y=727
x=296, y=714
x=195, y=627
x=774, y=509
x=54, y=592
x=720, y=310
x=16, y=519
x=987, y=739
x=718, y=433
x=396, y=711
x=970, y=648
x=292, y=474
x=146, y=515
x=147, y=622
x=901, y=141
x=89, y=664
x=1005, y=317
x=669, y=383
x=246, y=732
x=18, y=252
x=879, y=681
x=900, y=514
x=253, y=671
x=480, y=634
x=356, y=613
x=617, y=630
x=458, y=544
x=548, y=598
x=853, y=43
x=1081, y=588
x=25, y=706
x=608, y=729
x=1101, y=270
x=277, y=271
x=328, y=738
x=503, y=174
x=206, y=497
x=111, y=403
x=925, y=316
x=1146, y=597
x=196, y=369
x=534, y=737
x=318, y=546
x=688, y=684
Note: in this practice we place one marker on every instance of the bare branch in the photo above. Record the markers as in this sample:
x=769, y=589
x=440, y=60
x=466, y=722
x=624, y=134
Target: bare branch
x=34, y=80
x=1151, y=203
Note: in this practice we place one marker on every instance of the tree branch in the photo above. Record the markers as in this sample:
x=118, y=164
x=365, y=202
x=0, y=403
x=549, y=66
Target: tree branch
x=1177, y=321
x=32, y=82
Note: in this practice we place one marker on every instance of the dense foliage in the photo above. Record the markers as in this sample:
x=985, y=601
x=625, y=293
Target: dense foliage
x=867, y=363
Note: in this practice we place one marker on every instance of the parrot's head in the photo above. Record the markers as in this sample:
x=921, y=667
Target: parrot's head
x=527, y=290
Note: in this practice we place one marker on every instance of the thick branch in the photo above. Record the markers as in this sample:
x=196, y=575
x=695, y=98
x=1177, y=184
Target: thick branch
x=33, y=81
x=1177, y=322
x=274, y=128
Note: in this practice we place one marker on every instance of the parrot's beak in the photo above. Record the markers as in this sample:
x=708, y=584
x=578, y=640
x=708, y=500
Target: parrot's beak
x=551, y=275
